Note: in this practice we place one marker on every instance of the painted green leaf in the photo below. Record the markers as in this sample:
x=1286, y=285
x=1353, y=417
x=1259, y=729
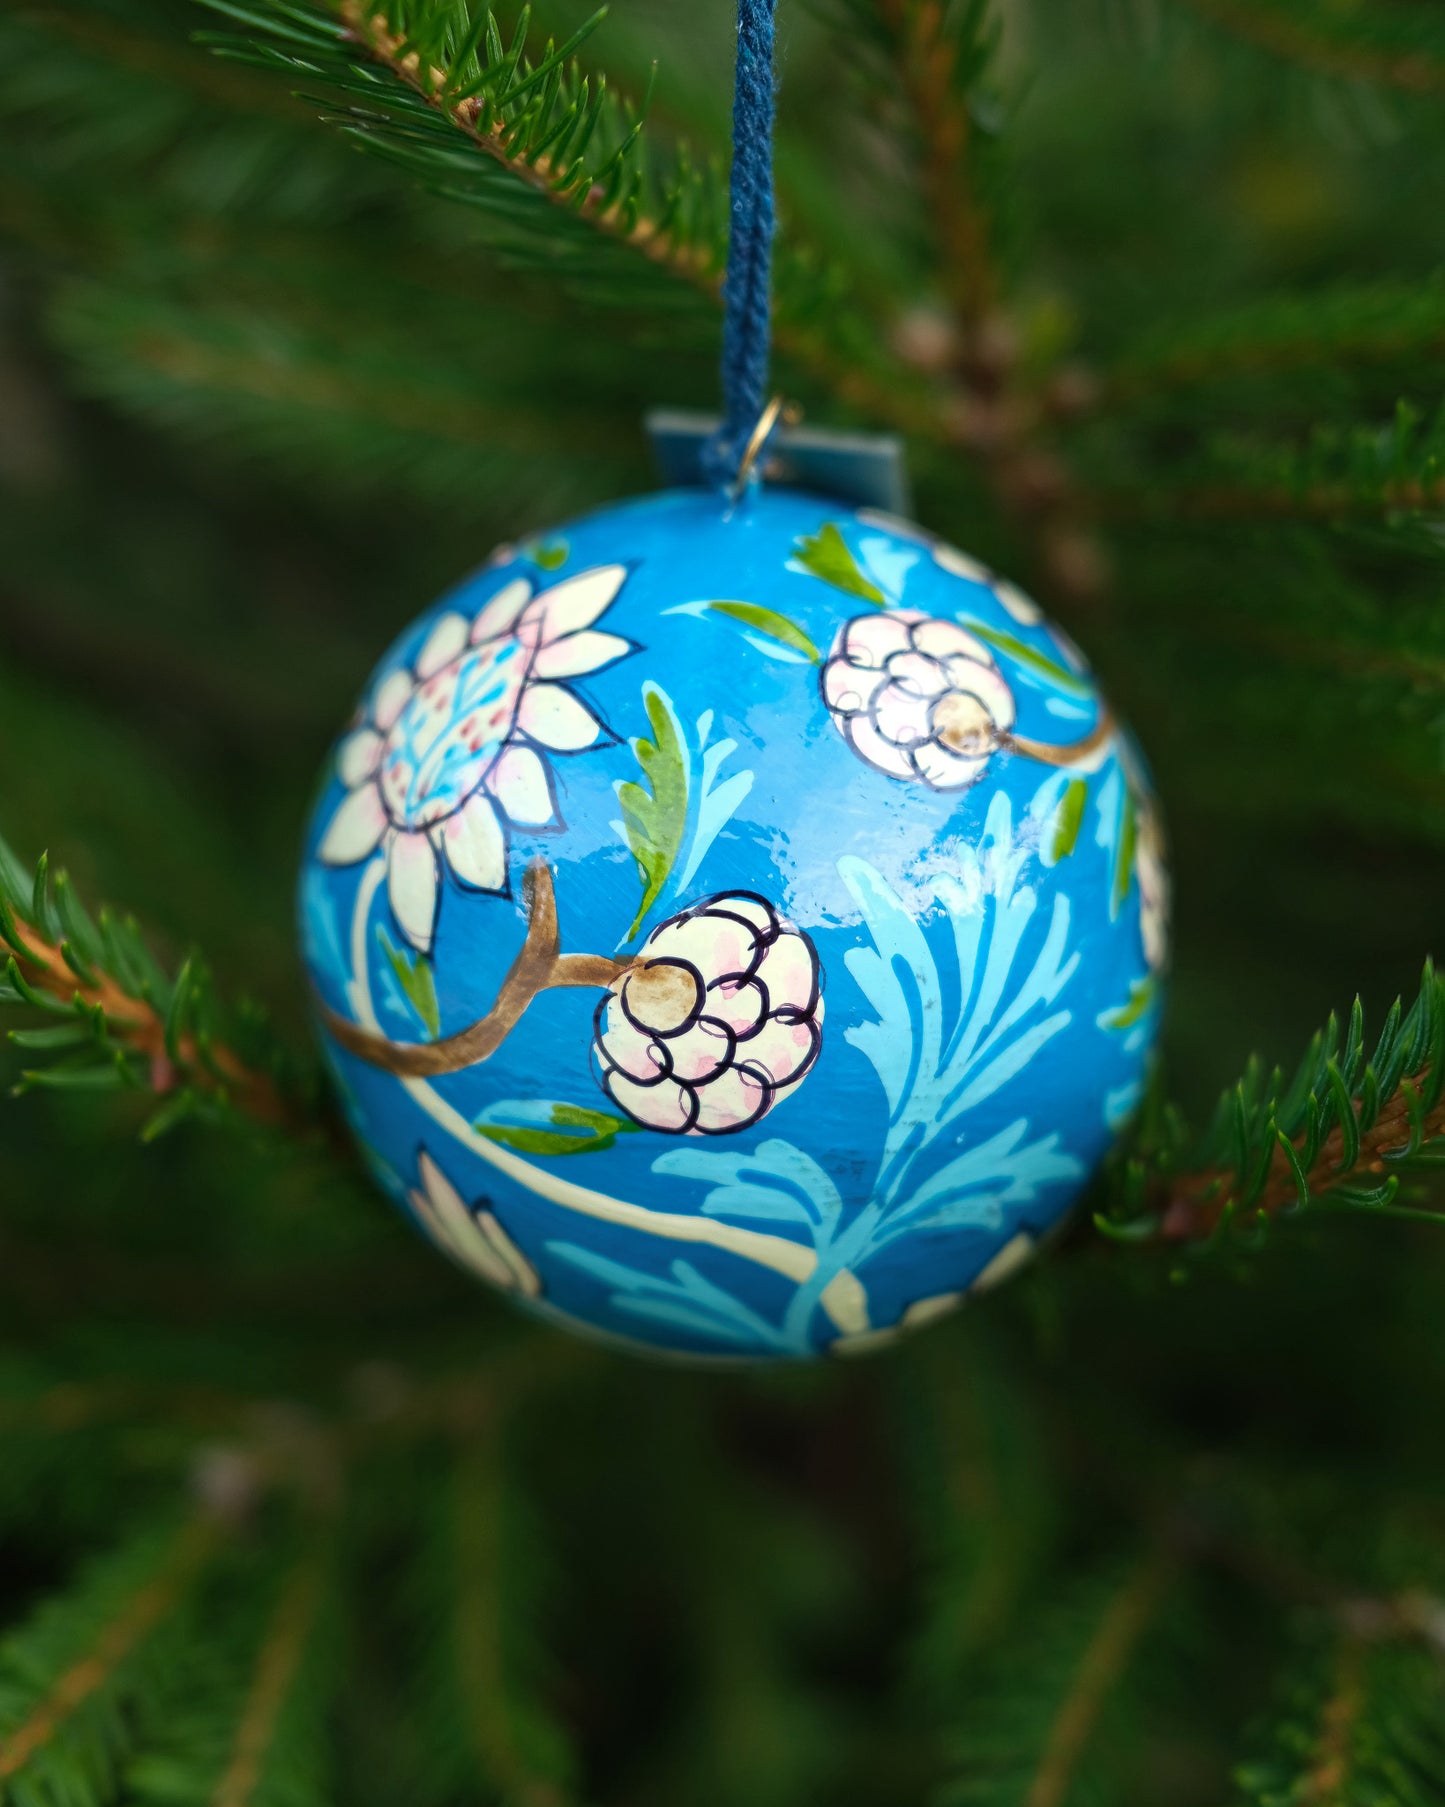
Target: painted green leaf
x=1124, y=852
x=415, y=979
x=565, y=1129
x=1141, y=996
x=654, y=813
x=1070, y=818
x=825, y=554
x=769, y=622
x=1014, y=648
x=551, y=555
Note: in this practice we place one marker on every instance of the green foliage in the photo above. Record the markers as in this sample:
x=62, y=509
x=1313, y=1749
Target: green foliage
x=770, y=622
x=414, y=975
x=825, y=555
x=1362, y=1721
x=129, y=1023
x=569, y=1128
x=1339, y=1134
x=655, y=811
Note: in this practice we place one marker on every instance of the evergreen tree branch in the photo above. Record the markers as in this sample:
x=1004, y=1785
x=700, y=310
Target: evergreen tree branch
x=127, y=1022
x=1359, y=473
x=1030, y=1734
x=62, y=1682
x=1374, y=324
x=1340, y=1134
x=1398, y=50
x=278, y=1671
x=937, y=58
x=516, y=1748
x=1108, y=1653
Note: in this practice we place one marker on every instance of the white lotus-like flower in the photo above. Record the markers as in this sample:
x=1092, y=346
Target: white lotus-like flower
x=917, y=698
x=447, y=756
x=471, y=1236
x=719, y=1017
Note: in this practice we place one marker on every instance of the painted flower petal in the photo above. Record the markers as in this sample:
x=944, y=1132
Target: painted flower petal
x=988, y=684
x=945, y=639
x=412, y=883
x=917, y=672
x=713, y=943
x=630, y=1049
x=959, y=564
x=441, y=1208
x=739, y=1004
x=667, y=1106
x=869, y=744
x=499, y=614
x=1023, y=608
x=902, y=716
x=356, y=828
x=554, y=717
x=358, y=757
x=732, y=1101
x=522, y=1276
x=790, y=973
x=783, y=1048
x=578, y=601
x=869, y=639
x=574, y=654
x=849, y=688
x=475, y=844
x=443, y=643
x=520, y=785
x=946, y=771
x=700, y=1053
x=392, y=696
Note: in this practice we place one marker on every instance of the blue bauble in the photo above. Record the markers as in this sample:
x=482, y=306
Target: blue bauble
x=738, y=930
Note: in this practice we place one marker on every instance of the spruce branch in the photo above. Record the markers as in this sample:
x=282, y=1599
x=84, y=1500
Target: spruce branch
x=61, y=1676
x=1032, y=1727
x=127, y=1023
x=279, y=1672
x=1395, y=48
x=1340, y=1135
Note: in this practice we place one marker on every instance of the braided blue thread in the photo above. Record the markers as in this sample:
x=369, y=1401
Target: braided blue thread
x=747, y=290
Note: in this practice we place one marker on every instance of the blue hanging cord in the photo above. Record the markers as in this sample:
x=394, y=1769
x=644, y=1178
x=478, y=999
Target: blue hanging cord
x=747, y=289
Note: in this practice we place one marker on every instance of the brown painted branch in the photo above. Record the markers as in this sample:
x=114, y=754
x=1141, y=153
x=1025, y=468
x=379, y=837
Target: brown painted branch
x=540, y=966
x=1098, y=736
x=139, y=1026
x=1197, y=1203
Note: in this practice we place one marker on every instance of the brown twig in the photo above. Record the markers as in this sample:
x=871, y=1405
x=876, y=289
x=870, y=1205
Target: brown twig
x=1109, y=1652
x=1197, y=1203
x=1287, y=38
x=140, y=1616
x=139, y=1026
x=540, y=966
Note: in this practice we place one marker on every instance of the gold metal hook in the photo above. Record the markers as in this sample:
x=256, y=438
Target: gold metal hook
x=777, y=409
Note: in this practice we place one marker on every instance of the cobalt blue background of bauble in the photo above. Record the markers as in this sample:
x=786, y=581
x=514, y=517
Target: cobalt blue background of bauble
x=991, y=956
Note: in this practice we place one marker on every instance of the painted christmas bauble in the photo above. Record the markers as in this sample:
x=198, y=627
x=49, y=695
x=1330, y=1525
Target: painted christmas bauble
x=735, y=929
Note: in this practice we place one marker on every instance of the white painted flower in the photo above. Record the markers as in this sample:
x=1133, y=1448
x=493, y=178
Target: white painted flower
x=917, y=698
x=449, y=754
x=471, y=1236
x=719, y=1017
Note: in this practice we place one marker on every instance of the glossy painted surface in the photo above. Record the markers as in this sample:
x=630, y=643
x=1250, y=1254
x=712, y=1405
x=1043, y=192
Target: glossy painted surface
x=741, y=933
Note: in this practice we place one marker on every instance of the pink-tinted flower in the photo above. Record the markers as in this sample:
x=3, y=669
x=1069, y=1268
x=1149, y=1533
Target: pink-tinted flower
x=719, y=1018
x=471, y=1236
x=917, y=698
x=448, y=755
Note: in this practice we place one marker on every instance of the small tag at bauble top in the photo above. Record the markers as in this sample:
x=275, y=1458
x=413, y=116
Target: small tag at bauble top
x=868, y=470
